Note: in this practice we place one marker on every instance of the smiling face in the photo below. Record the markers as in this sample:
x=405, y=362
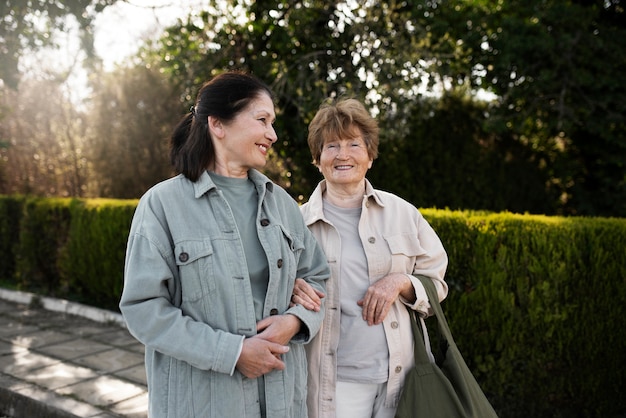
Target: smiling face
x=243, y=143
x=345, y=161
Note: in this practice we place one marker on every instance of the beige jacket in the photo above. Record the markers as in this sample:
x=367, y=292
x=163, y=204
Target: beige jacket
x=396, y=238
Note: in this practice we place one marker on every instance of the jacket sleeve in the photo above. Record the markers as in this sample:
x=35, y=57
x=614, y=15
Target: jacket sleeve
x=432, y=264
x=313, y=268
x=151, y=298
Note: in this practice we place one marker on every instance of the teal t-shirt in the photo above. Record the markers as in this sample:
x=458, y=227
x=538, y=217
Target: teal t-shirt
x=242, y=198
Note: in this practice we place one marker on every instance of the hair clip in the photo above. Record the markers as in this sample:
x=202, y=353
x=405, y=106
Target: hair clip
x=192, y=109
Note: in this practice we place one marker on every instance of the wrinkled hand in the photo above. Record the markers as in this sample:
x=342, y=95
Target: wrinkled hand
x=260, y=356
x=304, y=294
x=381, y=295
x=262, y=353
x=279, y=329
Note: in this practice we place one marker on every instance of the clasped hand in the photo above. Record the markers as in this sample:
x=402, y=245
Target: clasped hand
x=262, y=352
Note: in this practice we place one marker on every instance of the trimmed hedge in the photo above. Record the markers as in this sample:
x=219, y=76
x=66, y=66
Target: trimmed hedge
x=92, y=262
x=43, y=227
x=66, y=248
x=10, y=215
x=538, y=309
x=536, y=303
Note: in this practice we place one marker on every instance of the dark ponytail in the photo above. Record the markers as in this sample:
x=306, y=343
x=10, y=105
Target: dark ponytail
x=191, y=148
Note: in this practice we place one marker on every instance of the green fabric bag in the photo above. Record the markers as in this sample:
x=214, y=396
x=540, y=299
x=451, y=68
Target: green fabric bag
x=446, y=389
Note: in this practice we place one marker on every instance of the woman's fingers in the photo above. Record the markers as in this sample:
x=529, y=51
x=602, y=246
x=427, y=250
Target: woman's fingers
x=305, y=295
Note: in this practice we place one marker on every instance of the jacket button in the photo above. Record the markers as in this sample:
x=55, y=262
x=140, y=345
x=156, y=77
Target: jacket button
x=274, y=311
x=265, y=222
x=398, y=369
x=394, y=325
x=371, y=240
x=183, y=257
x=279, y=263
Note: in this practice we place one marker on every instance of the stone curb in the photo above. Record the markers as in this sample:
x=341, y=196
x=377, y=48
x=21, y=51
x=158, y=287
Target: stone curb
x=37, y=403
x=60, y=305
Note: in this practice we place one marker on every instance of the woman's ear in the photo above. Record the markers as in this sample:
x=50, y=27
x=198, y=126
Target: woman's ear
x=216, y=128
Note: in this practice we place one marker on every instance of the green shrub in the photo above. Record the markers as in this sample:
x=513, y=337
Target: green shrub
x=43, y=232
x=92, y=262
x=66, y=248
x=535, y=306
x=535, y=302
x=10, y=217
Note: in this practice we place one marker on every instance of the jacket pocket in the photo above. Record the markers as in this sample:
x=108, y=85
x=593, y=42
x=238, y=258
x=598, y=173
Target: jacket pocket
x=404, y=248
x=194, y=259
x=294, y=241
x=406, y=244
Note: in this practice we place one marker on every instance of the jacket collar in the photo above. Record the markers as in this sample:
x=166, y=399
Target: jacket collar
x=316, y=202
x=261, y=182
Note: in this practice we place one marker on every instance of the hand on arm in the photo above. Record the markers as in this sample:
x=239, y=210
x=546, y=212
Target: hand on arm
x=305, y=295
x=381, y=295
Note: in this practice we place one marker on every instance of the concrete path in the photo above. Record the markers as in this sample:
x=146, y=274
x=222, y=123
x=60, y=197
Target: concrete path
x=64, y=360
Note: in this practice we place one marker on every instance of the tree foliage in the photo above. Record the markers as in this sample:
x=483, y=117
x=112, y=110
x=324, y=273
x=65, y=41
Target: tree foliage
x=454, y=162
x=557, y=70
x=556, y=127
x=134, y=110
x=551, y=141
x=30, y=25
x=308, y=51
x=44, y=153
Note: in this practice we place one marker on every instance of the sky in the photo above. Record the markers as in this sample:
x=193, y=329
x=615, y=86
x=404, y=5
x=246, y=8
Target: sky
x=120, y=29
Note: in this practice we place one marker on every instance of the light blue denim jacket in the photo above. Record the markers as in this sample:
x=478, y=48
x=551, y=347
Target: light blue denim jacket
x=187, y=297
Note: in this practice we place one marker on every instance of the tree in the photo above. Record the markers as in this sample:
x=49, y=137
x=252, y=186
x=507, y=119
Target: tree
x=31, y=25
x=556, y=67
x=133, y=112
x=536, y=57
x=553, y=67
x=44, y=153
x=450, y=161
x=28, y=27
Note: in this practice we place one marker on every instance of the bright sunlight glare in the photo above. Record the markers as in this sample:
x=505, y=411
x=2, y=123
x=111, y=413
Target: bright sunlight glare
x=121, y=29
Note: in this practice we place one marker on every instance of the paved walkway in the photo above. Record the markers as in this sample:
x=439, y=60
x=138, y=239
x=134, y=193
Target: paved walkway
x=64, y=360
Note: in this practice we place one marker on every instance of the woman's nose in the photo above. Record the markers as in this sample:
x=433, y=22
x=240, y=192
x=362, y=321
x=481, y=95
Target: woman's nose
x=271, y=134
x=342, y=152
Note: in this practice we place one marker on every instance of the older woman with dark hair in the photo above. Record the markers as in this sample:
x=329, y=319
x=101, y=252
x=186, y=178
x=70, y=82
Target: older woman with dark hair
x=211, y=261
x=376, y=244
